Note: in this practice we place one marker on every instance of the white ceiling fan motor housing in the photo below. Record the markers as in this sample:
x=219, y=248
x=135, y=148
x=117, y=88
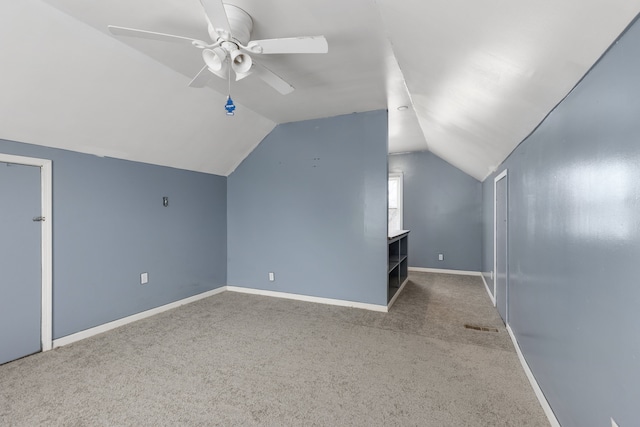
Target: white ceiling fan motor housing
x=240, y=23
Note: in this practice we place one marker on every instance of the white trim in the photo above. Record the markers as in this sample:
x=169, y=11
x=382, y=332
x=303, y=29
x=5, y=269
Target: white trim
x=534, y=383
x=395, y=296
x=445, y=271
x=47, y=255
x=46, y=251
x=138, y=316
x=502, y=174
x=307, y=298
x=87, y=333
x=486, y=285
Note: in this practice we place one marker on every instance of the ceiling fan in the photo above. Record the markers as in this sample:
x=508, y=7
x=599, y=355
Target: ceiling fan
x=231, y=46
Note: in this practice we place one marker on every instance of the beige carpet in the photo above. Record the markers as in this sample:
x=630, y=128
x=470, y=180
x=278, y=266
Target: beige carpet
x=244, y=360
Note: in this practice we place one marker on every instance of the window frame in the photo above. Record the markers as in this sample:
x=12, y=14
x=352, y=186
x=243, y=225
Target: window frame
x=399, y=177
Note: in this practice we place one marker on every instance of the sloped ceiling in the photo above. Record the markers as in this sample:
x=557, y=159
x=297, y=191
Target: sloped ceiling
x=483, y=74
x=477, y=76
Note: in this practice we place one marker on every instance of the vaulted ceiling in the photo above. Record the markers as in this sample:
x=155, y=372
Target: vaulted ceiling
x=477, y=76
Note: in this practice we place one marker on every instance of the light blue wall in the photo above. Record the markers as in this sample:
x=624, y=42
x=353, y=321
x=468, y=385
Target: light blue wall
x=574, y=245
x=443, y=210
x=309, y=204
x=109, y=226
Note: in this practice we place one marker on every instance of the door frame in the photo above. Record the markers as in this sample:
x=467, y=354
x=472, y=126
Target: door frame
x=503, y=174
x=46, y=246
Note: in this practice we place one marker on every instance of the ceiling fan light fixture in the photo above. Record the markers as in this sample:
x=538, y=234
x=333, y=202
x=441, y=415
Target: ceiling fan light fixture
x=240, y=62
x=240, y=76
x=220, y=73
x=214, y=58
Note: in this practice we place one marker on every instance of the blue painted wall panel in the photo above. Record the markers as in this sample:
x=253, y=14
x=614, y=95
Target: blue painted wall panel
x=574, y=245
x=309, y=204
x=109, y=226
x=443, y=210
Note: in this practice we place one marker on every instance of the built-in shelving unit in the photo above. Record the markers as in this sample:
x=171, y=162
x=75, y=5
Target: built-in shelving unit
x=398, y=264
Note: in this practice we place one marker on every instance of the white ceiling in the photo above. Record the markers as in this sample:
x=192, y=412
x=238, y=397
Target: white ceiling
x=478, y=76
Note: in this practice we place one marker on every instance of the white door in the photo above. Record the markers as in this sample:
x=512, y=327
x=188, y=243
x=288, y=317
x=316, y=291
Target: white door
x=20, y=261
x=501, y=267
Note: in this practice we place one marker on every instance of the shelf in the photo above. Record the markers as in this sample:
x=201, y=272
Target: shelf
x=396, y=234
x=394, y=283
x=397, y=267
x=392, y=291
x=394, y=261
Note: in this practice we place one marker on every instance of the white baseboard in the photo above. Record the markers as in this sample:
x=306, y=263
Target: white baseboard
x=307, y=298
x=444, y=271
x=534, y=383
x=59, y=342
x=486, y=285
x=125, y=320
x=395, y=296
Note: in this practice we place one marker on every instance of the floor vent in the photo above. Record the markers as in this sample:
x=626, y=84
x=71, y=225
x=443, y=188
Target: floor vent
x=480, y=328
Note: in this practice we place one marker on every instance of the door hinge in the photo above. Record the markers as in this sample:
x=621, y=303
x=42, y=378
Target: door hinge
x=38, y=218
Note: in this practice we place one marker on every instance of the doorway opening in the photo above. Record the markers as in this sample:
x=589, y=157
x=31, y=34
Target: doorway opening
x=46, y=249
x=500, y=245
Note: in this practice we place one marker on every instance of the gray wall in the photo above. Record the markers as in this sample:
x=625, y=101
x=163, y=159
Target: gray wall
x=109, y=226
x=574, y=245
x=443, y=210
x=309, y=203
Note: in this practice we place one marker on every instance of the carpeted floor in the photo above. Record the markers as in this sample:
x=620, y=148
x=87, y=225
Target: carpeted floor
x=245, y=360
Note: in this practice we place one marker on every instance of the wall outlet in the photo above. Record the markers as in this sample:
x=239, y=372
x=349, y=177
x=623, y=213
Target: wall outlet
x=144, y=278
x=440, y=257
x=272, y=276
x=613, y=423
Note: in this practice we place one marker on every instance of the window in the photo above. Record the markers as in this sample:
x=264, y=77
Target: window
x=395, y=201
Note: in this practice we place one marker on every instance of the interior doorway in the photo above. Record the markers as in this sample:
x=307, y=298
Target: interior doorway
x=26, y=286
x=500, y=245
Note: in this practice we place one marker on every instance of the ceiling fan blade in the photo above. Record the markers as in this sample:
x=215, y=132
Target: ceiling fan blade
x=151, y=35
x=201, y=79
x=272, y=79
x=214, y=9
x=311, y=44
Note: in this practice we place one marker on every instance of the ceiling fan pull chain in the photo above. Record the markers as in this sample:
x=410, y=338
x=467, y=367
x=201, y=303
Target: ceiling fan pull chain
x=229, y=107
